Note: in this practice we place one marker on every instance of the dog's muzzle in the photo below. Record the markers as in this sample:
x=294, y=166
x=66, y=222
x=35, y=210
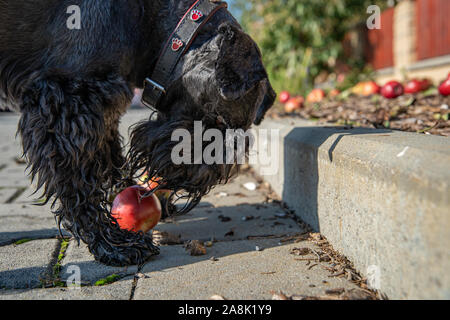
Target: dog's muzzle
x=267, y=98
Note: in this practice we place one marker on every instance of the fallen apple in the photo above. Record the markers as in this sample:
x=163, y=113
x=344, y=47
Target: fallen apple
x=392, y=89
x=316, y=95
x=358, y=88
x=294, y=104
x=444, y=88
x=369, y=88
x=414, y=86
x=284, y=96
x=152, y=184
x=334, y=93
x=425, y=84
x=134, y=212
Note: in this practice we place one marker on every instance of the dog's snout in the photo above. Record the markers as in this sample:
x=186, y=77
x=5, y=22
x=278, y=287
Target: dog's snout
x=268, y=100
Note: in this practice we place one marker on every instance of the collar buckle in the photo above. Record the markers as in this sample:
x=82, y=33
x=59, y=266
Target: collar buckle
x=153, y=92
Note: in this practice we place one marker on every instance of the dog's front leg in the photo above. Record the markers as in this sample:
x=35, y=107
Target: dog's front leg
x=65, y=140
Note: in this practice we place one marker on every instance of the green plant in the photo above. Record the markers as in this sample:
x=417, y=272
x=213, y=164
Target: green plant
x=108, y=280
x=302, y=39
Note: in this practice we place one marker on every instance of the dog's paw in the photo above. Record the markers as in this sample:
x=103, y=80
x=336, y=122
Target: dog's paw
x=133, y=249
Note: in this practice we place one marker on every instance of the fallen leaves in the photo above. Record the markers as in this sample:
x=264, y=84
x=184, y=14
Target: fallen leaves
x=422, y=113
x=333, y=294
x=195, y=248
x=224, y=218
x=229, y=233
x=300, y=251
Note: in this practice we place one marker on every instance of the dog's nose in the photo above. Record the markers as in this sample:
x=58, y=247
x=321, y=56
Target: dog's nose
x=267, y=101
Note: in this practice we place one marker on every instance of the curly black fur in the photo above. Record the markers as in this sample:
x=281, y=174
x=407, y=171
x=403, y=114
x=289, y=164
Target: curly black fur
x=72, y=87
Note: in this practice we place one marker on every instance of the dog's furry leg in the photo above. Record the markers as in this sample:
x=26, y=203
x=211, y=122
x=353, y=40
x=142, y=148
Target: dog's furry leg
x=64, y=133
x=119, y=175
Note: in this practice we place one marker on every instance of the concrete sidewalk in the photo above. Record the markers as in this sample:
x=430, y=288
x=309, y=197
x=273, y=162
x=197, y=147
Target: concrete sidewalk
x=381, y=197
x=258, y=248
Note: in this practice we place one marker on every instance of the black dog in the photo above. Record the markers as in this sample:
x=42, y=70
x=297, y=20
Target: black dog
x=72, y=87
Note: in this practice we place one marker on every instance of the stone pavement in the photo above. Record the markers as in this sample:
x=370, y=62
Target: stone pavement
x=248, y=256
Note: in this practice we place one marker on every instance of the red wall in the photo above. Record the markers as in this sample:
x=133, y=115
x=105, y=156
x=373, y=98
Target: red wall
x=379, y=52
x=433, y=28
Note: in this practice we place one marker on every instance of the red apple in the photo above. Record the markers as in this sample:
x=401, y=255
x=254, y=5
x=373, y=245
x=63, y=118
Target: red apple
x=425, y=84
x=358, y=88
x=333, y=93
x=153, y=183
x=294, y=104
x=316, y=95
x=284, y=96
x=444, y=88
x=414, y=86
x=392, y=89
x=369, y=88
x=135, y=213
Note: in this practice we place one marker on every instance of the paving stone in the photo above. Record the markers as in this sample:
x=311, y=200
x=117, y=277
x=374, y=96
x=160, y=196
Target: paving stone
x=204, y=223
x=19, y=221
x=28, y=196
x=14, y=176
x=235, y=193
x=21, y=266
x=91, y=270
x=6, y=194
x=120, y=290
x=10, y=148
x=241, y=272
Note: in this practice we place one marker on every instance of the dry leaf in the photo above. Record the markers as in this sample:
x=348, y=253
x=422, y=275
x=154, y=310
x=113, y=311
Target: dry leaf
x=195, y=248
x=301, y=251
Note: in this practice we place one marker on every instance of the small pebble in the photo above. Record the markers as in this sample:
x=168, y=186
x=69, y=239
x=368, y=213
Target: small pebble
x=250, y=186
x=222, y=194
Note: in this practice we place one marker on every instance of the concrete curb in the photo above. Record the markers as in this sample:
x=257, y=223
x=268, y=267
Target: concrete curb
x=381, y=198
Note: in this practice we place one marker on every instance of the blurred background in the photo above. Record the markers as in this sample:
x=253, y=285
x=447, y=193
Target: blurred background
x=306, y=43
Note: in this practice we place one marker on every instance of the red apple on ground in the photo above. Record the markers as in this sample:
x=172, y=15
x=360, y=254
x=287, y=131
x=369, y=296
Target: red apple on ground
x=316, y=95
x=358, y=88
x=284, y=96
x=392, y=89
x=294, y=104
x=153, y=183
x=369, y=88
x=333, y=93
x=444, y=88
x=414, y=86
x=425, y=84
x=134, y=212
